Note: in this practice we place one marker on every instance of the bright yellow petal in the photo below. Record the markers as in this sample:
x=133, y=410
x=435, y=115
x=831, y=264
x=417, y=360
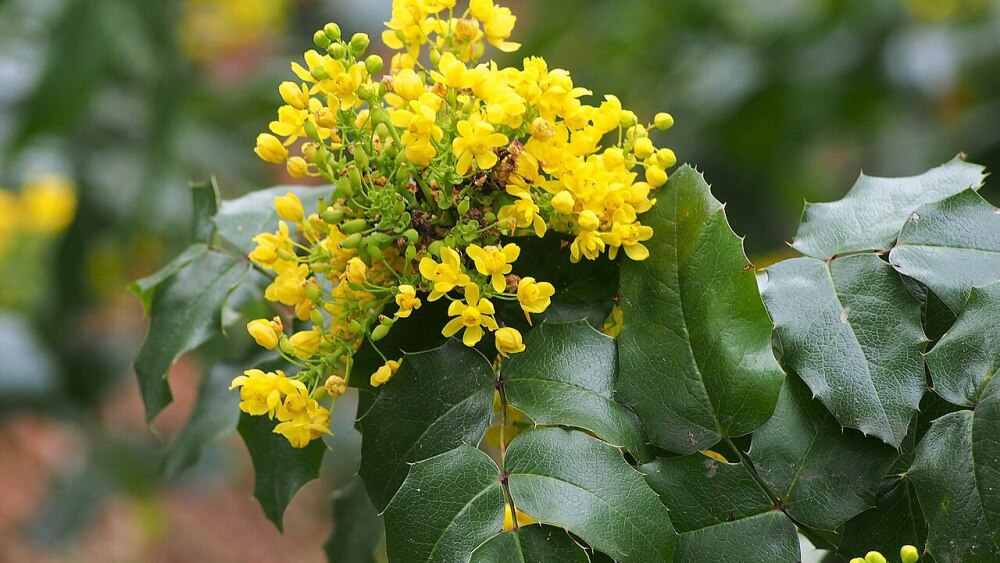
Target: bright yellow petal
x=427, y=268
x=453, y=327
x=472, y=294
x=637, y=252
x=511, y=251
x=499, y=283
x=472, y=336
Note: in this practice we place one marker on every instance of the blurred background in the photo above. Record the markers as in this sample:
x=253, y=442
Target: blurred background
x=110, y=109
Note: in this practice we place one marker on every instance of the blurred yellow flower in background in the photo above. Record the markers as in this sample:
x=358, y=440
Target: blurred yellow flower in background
x=210, y=29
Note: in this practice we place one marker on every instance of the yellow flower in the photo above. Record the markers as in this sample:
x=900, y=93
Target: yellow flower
x=302, y=418
x=588, y=244
x=446, y=275
x=508, y=341
x=523, y=213
x=407, y=85
x=656, y=176
x=306, y=343
x=472, y=315
x=495, y=262
x=343, y=83
x=49, y=204
x=533, y=296
x=588, y=220
x=476, y=141
x=294, y=95
x=270, y=149
x=454, y=73
x=420, y=128
x=628, y=235
x=407, y=301
x=269, y=246
x=289, y=207
x=643, y=148
x=261, y=393
x=563, y=202
x=498, y=23
x=383, y=374
x=335, y=386
x=357, y=271
x=266, y=333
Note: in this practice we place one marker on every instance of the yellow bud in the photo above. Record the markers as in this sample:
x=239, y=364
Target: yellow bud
x=643, y=148
x=294, y=95
x=335, y=386
x=614, y=157
x=357, y=271
x=408, y=84
x=663, y=121
x=297, y=167
x=656, y=176
x=263, y=333
x=508, y=341
x=909, y=554
x=628, y=119
x=383, y=374
x=588, y=220
x=270, y=149
x=666, y=158
x=306, y=343
x=874, y=557
x=563, y=202
x=857, y=560
x=289, y=207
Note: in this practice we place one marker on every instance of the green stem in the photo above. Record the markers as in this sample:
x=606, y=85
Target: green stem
x=748, y=463
x=503, y=451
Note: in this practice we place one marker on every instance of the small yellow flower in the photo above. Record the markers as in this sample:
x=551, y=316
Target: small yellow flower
x=563, y=202
x=406, y=86
x=270, y=149
x=289, y=207
x=266, y=333
x=643, y=148
x=383, y=374
x=357, y=271
x=508, y=341
x=302, y=418
x=476, y=142
x=656, y=176
x=588, y=244
x=294, y=95
x=472, y=315
x=454, y=73
x=523, y=213
x=495, y=262
x=407, y=301
x=663, y=121
x=588, y=220
x=874, y=557
x=261, y=393
x=306, y=343
x=534, y=297
x=335, y=386
x=445, y=275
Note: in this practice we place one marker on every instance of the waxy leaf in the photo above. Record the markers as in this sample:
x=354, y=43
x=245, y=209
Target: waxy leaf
x=565, y=377
x=448, y=505
x=185, y=311
x=896, y=520
x=951, y=246
x=963, y=362
x=437, y=401
x=714, y=505
x=695, y=352
x=241, y=219
x=205, y=199
x=531, y=544
x=571, y=480
x=280, y=470
x=869, y=217
x=357, y=527
x=852, y=332
x=145, y=287
x=215, y=413
x=986, y=452
x=822, y=474
x=944, y=474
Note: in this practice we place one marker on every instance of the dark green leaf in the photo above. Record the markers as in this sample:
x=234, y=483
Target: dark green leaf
x=145, y=287
x=280, y=470
x=951, y=246
x=822, y=474
x=215, y=413
x=944, y=476
x=531, y=544
x=571, y=480
x=712, y=504
x=852, y=332
x=964, y=360
x=241, y=219
x=695, y=352
x=357, y=527
x=205, y=196
x=186, y=311
x=986, y=452
x=437, y=401
x=895, y=521
x=565, y=377
x=448, y=506
x=870, y=216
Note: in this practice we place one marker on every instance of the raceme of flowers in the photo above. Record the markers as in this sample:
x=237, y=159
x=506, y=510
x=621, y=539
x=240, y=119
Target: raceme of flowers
x=44, y=207
x=434, y=162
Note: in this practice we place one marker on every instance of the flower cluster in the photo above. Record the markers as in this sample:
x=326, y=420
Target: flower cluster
x=434, y=163
x=907, y=554
x=45, y=206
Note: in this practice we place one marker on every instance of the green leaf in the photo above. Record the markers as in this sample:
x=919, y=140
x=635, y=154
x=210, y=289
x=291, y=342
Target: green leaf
x=448, y=505
x=851, y=330
x=205, y=196
x=186, y=310
x=531, y=544
x=280, y=469
x=951, y=246
x=822, y=474
x=241, y=219
x=965, y=359
x=216, y=412
x=437, y=401
x=944, y=476
x=895, y=521
x=571, y=480
x=357, y=527
x=145, y=287
x=714, y=505
x=695, y=353
x=565, y=377
x=870, y=216
x=986, y=452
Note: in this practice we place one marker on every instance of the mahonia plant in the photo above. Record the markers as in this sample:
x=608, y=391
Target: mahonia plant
x=435, y=162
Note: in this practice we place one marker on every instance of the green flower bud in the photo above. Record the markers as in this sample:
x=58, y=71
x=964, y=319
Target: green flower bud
x=411, y=235
x=355, y=327
x=285, y=346
x=381, y=239
x=333, y=215
x=319, y=73
x=874, y=557
x=344, y=186
x=435, y=56
x=312, y=292
x=316, y=316
x=332, y=31
x=628, y=119
x=909, y=554
x=366, y=92
x=337, y=51
x=663, y=121
x=374, y=64
x=463, y=206
x=359, y=44
x=372, y=249
x=321, y=40
x=310, y=129
x=361, y=157
x=435, y=248
x=354, y=226
x=354, y=175
x=380, y=332
x=383, y=132
x=351, y=242
x=411, y=252
x=320, y=268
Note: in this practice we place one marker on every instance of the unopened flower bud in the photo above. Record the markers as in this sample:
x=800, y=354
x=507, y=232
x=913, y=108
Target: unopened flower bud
x=321, y=40
x=335, y=386
x=289, y=207
x=351, y=242
x=666, y=158
x=270, y=149
x=588, y=220
x=643, y=148
x=333, y=216
x=380, y=332
x=628, y=119
x=357, y=271
x=353, y=226
x=874, y=557
x=508, y=341
x=332, y=31
x=909, y=554
x=359, y=44
x=263, y=333
x=297, y=167
x=563, y=202
x=373, y=64
x=663, y=121
x=337, y=51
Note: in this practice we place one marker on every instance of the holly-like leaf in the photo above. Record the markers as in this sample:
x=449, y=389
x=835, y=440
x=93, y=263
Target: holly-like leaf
x=280, y=470
x=963, y=362
x=574, y=481
x=145, y=287
x=944, y=474
x=205, y=197
x=852, y=332
x=896, y=520
x=448, y=506
x=986, y=452
x=870, y=216
x=695, y=352
x=565, y=377
x=713, y=505
x=822, y=474
x=186, y=310
x=357, y=527
x=951, y=246
x=241, y=219
x=531, y=544
x=437, y=401
x=215, y=413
